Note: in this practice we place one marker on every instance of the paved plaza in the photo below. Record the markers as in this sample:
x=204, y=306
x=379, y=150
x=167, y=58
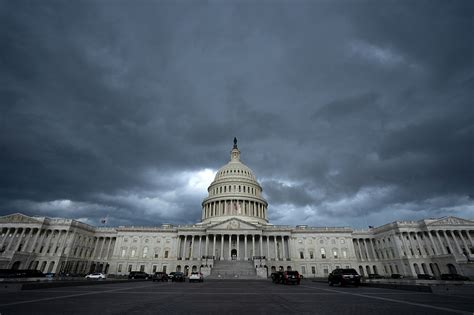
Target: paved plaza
x=229, y=296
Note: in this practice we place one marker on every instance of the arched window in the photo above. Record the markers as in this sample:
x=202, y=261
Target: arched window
x=145, y=252
x=323, y=253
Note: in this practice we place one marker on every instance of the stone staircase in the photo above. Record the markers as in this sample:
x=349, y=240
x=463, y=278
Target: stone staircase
x=233, y=269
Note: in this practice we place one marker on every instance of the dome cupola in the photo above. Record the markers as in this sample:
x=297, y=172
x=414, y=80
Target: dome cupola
x=234, y=192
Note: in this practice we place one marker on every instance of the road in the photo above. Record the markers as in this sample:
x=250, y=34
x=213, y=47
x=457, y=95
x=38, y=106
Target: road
x=229, y=297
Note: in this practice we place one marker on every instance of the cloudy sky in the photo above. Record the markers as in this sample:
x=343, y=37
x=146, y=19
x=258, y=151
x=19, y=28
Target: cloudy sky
x=350, y=113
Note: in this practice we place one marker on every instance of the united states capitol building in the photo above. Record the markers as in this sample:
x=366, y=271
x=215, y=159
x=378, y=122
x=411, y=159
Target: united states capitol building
x=235, y=239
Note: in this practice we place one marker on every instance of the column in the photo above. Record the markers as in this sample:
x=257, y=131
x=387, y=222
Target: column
x=183, y=246
x=108, y=248
x=268, y=247
x=222, y=248
x=360, y=250
x=207, y=246
x=94, y=251
x=275, y=244
x=464, y=242
x=443, y=249
x=238, y=247
x=21, y=238
x=420, y=245
x=49, y=242
x=410, y=240
x=191, y=252
x=456, y=241
x=245, y=247
x=101, y=248
x=213, y=246
x=56, y=244
x=447, y=241
x=27, y=241
x=261, y=245
x=12, y=238
x=230, y=246
x=372, y=247
x=366, y=249
x=469, y=237
x=200, y=246
x=5, y=237
x=433, y=243
x=404, y=246
x=283, y=246
x=253, y=245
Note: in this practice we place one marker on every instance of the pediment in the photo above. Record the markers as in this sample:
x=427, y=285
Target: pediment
x=18, y=218
x=233, y=224
x=452, y=221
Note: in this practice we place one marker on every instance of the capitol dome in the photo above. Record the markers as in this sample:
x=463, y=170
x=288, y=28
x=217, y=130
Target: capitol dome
x=234, y=192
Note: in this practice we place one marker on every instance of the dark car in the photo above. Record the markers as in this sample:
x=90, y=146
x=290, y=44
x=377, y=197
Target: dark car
x=454, y=276
x=375, y=276
x=277, y=277
x=290, y=277
x=171, y=275
x=344, y=276
x=138, y=275
x=160, y=276
x=425, y=276
x=396, y=276
x=178, y=277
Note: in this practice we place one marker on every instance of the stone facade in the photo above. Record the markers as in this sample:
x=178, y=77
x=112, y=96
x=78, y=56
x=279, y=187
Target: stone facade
x=234, y=226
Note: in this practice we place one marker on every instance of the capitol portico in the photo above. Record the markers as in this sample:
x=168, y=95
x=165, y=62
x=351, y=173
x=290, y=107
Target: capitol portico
x=235, y=239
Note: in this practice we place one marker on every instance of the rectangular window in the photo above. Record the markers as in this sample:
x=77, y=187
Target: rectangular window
x=303, y=269
x=164, y=268
x=301, y=255
x=124, y=252
x=129, y=268
x=154, y=268
x=313, y=270
x=311, y=255
x=326, y=271
x=119, y=269
x=156, y=255
x=142, y=267
x=166, y=254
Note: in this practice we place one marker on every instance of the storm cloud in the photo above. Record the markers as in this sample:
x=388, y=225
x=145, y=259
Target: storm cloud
x=349, y=113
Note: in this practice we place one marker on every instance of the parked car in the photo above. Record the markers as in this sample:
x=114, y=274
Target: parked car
x=396, y=276
x=171, y=275
x=344, y=276
x=50, y=275
x=160, y=276
x=454, y=276
x=21, y=273
x=277, y=277
x=196, y=277
x=425, y=276
x=178, y=277
x=375, y=276
x=290, y=277
x=138, y=275
x=96, y=276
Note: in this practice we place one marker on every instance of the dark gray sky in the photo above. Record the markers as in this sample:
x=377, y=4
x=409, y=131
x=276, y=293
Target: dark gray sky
x=349, y=113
